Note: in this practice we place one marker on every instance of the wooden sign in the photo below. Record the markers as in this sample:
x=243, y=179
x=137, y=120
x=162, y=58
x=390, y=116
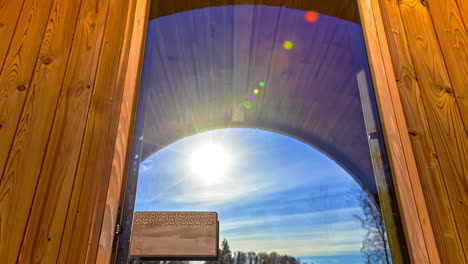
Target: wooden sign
x=175, y=235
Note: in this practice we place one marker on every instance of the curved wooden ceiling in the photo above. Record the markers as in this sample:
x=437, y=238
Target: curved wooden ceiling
x=200, y=65
x=343, y=9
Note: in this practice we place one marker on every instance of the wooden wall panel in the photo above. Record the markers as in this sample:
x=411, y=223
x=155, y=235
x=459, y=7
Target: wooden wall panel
x=443, y=114
x=63, y=150
x=16, y=189
x=59, y=88
x=9, y=15
x=428, y=42
x=18, y=67
x=444, y=225
x=36, y=119
x=463, y=6
x=92, y=176
x=453, y=39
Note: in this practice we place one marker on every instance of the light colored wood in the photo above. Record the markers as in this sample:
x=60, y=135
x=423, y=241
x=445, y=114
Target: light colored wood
x=463, y=6
x=135, y=37
x=16, y=189
x=414, y=213
x=36, y=120
x=9, y=16
x=18, y=66
x=87, y=203
x=440, y=209
x=453, y=38
x=63, y=150
x=444, y=118
x=175, y=234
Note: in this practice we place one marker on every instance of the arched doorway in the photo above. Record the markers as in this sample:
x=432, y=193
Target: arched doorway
x=265, y=67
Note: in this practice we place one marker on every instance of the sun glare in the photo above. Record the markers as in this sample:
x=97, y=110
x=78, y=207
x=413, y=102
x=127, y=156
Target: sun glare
x=209, y=163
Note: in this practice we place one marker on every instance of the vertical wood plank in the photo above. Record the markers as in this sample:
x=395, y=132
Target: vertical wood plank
x=408, y=187
x=453, y=39
x=36, y=120
x=9, y=16
x=136, y=41
x=59, y=167
x=444, y=118
x=17, y=70
x=445, y=230
x=16, y=191
x=463, y=6
x=87, y=204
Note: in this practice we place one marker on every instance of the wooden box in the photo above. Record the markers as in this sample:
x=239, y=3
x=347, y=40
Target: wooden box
x=175, y=235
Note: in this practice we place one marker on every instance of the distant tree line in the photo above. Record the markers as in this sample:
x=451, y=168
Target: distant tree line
x=375, y=248
x=225, y=256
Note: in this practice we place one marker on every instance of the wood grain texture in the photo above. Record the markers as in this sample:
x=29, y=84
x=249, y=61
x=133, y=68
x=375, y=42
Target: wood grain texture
x=36, y=120
x=9, y=16
x=175, y=234
x=18, y=67
x=418, y=230
x=134, y=42
x=16, y=189
x=444, y=118
x=453, y=39
x=463, y=8
x=59, y=167
x=440, y=209
x=87, y=204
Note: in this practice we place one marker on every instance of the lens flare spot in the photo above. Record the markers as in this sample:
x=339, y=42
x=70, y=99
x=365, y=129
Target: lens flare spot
x=256, y=91
x=288, y=45
x=247, y=104
x=250, y=98
x=311, y=16
x=261, y=84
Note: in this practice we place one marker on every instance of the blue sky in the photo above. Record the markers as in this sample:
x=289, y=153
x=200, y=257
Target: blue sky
x=277, y=193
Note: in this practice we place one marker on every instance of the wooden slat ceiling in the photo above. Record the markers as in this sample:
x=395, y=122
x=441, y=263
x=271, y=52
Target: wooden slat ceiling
x=201, y=64
x=343, y=9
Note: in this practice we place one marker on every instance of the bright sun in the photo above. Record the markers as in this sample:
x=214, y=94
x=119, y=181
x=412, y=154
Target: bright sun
x=209, y=162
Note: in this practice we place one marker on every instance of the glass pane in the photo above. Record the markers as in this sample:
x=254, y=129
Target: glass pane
x=278, y=199
x=266, y=115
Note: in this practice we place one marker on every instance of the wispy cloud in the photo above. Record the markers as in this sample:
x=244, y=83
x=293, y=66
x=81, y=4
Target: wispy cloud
x=338, y=238
x=284, y=197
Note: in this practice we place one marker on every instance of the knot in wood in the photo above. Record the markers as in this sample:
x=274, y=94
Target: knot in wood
x=412, y=133
x=21, y=88
x=47, y=60
x=424, y=3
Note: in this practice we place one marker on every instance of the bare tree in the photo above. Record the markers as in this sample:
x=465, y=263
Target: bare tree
x=375, y=244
